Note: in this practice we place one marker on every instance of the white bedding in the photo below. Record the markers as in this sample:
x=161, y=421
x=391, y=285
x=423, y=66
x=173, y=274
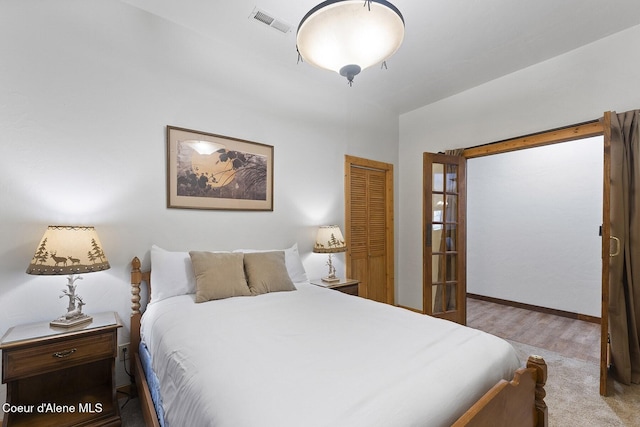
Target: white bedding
x=316, y=357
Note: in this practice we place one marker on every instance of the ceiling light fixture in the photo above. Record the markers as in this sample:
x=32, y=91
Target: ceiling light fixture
x=347, y=36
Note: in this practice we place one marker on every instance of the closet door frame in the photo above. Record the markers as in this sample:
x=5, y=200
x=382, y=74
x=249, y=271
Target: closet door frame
x=352, y=161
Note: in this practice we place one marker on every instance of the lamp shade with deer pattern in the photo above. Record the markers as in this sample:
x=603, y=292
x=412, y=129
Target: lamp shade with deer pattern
x=69, y=250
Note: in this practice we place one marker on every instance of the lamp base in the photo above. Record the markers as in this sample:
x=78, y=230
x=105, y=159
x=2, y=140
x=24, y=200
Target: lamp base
x=331, y=279
x=63, y=322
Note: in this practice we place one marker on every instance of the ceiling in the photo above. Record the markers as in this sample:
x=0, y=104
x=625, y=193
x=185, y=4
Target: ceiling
x=450, y=45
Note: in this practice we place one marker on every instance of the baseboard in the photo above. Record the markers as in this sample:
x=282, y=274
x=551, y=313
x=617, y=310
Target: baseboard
x=539, y=309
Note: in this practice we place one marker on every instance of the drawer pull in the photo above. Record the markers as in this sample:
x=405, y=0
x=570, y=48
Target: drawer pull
x=65, y=353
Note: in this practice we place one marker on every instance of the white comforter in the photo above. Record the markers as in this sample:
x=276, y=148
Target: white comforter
x=316, y=357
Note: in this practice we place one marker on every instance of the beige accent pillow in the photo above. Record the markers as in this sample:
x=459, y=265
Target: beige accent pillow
x=218, y=275
x=267, y=272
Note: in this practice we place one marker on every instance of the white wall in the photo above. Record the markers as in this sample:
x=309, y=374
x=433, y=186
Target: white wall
x=533, y=219
x=572, y=88
x=86, y=91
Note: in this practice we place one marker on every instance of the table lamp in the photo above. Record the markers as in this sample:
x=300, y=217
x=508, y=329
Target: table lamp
x=329, y=241
x=69, y=250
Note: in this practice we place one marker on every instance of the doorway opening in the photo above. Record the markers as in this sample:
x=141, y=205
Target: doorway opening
x=578, y=132
x=533, y=226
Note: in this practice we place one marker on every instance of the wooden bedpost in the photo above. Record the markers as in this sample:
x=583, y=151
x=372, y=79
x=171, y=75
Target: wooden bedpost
x=136, y=279
x=538, y=363
x=146, y=402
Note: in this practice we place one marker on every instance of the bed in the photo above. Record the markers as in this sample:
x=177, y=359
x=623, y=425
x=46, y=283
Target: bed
x=307, y=355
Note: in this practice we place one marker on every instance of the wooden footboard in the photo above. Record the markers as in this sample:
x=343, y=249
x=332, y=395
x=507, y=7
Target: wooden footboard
x=516, y=402
x=519, y=402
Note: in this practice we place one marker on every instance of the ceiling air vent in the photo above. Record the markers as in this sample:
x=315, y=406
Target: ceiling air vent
x=267, y=19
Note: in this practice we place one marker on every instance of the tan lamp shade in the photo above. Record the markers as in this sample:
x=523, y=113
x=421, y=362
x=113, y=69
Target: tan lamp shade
x=329, y=240
x=68, y=250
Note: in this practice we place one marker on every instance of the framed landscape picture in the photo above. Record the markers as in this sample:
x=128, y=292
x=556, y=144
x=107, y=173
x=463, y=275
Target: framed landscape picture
x=208, y=171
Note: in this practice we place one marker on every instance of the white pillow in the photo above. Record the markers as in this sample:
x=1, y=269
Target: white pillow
x=171, y=274
x=292, y=261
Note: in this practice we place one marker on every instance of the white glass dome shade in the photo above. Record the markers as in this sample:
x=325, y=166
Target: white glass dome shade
x=343, y=33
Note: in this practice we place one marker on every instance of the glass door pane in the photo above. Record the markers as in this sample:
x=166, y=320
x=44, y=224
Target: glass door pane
x=444, y=279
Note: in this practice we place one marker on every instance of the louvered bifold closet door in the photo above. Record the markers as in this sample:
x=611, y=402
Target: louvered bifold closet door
x=358, y=245
x=368, y=232
x=376, y=209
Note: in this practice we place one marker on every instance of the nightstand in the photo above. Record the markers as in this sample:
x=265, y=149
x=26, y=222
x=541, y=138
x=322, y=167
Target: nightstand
x=347, y=286
x=61, y=376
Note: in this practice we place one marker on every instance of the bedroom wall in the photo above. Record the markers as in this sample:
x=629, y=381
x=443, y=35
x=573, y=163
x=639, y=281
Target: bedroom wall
x=572, y=88
x=532, y=226
x=86, y=91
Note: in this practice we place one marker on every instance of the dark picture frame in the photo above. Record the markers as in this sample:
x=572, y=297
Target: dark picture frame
x=209, y=171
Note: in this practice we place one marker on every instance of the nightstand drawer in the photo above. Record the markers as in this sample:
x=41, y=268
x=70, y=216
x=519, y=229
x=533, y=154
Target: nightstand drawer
x=39, y=359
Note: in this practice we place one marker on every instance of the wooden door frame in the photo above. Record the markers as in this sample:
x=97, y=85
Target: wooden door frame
x=387, y=168
x=579, y=131
x=606, y=233
x=570, y=133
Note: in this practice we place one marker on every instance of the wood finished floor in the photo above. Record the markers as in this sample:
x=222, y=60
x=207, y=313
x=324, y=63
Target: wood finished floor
x=571, y=338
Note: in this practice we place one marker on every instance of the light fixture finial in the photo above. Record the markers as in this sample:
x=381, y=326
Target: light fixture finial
x=350, y=71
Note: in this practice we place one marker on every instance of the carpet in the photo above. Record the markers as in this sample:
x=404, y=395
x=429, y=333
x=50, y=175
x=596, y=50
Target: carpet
x=573, y=394
x=130, y=412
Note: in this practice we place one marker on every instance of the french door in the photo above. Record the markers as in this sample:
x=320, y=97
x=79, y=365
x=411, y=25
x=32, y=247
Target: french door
x=444, y=237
